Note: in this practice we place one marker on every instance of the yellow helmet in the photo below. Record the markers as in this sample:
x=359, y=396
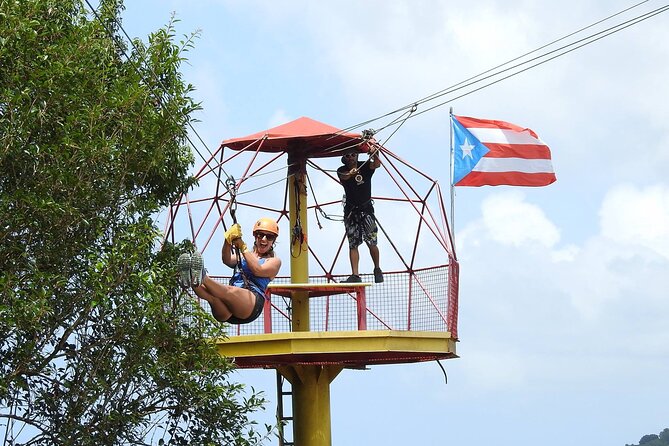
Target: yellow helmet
x=266, y=224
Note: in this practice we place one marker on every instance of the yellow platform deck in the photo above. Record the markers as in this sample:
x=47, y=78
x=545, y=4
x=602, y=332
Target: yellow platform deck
x=353, y=349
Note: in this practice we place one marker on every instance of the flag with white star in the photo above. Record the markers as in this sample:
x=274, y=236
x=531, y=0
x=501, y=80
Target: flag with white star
x=494, y=153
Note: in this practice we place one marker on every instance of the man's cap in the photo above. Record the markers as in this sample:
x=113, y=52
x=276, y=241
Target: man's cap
x=349, y=151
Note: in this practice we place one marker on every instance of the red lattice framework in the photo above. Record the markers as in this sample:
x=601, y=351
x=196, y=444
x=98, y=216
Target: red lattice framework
x=420, y=291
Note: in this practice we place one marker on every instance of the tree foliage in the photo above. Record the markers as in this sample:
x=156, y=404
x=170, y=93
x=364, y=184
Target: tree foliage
x=97, y=344
x=654, y=439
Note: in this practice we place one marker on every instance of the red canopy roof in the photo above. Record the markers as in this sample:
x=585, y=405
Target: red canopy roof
x=303, y=135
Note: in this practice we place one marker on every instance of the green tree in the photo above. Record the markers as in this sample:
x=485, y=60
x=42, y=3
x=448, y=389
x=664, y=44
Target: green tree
x=654, y=439
x=664, y=435
x=650, y=439
x=97, y=344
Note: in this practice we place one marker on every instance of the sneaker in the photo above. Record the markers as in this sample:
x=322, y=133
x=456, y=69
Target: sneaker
x=196, y=269
x=353, y=278
x=378, y=275
x=183, y=265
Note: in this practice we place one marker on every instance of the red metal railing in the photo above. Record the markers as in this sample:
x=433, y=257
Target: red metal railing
x=422, y=300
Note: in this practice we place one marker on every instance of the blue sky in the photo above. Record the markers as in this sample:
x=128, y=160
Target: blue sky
x=564, y=291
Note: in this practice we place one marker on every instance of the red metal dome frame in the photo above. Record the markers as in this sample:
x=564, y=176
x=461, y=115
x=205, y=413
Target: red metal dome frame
x=420, y=292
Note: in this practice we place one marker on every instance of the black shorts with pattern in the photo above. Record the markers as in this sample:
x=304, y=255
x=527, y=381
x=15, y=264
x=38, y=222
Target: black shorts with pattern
x=360, y=225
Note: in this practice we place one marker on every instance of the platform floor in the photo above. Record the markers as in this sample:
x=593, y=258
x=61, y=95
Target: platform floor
x=353, y=349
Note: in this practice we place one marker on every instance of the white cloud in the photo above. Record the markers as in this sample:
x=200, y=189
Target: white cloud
x=621, y=272
x=591, y=279
x=565, y=254
x=508, y=219
x=598, y=275
x=631, y=215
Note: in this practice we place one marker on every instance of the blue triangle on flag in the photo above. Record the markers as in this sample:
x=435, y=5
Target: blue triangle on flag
x=467, y=151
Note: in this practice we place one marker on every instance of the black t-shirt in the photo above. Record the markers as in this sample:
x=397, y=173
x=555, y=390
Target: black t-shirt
x=357, y=193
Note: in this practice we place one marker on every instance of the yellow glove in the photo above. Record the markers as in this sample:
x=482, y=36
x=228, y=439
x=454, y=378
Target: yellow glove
x=239, y=243
x=233, y=233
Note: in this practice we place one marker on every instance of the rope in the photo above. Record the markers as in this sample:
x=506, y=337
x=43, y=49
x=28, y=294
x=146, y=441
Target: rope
x=403, y=121
x=317, y=208
x=406, y=265
x=297, y=233
x=266, y=185
x=367, y=135
x=232, y=188
x=443, y=370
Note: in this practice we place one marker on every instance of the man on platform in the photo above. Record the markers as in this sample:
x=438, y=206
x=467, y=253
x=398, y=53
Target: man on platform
x=359, y=220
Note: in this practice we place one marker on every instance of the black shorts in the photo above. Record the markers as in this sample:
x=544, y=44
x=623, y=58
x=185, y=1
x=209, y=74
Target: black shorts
x=257, y=309
x=361, y=226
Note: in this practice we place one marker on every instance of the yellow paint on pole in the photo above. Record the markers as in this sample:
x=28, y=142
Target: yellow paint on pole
x=311, y=402
x=299, y=249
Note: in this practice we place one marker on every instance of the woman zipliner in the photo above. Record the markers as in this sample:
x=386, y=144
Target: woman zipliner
x=243, y=299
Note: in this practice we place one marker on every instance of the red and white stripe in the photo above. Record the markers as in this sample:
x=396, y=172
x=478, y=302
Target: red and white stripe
x=517, y=156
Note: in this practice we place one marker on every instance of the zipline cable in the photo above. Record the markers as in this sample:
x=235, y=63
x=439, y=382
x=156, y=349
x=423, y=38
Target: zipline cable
x=480, y=77
x=609, y=31
x=446, y=90
x=463, y=84
x=453, y=88
x=471, y=81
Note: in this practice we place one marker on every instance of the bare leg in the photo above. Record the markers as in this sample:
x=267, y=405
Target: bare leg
x=218, y=309
x=226, y=300
x=354, y=257
x=374, y=252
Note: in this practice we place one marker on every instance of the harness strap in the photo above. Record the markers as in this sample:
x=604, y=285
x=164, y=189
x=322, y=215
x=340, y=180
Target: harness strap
x=367, y=205
x=232, y=188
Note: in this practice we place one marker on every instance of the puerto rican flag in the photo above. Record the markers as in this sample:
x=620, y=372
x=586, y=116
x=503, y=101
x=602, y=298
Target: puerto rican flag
x=494, y=153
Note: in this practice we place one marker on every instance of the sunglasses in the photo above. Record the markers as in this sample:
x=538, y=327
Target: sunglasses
x=351, y=155
x=261, y=235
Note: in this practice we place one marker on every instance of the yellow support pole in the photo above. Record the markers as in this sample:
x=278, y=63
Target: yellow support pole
x=310, y=384
x=299, y=250
x=311, y=403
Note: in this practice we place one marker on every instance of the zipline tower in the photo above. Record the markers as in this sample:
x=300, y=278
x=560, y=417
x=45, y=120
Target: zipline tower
x=313, y=326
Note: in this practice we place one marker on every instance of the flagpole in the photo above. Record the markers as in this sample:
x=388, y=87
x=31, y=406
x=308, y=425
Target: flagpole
x=450, y=171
